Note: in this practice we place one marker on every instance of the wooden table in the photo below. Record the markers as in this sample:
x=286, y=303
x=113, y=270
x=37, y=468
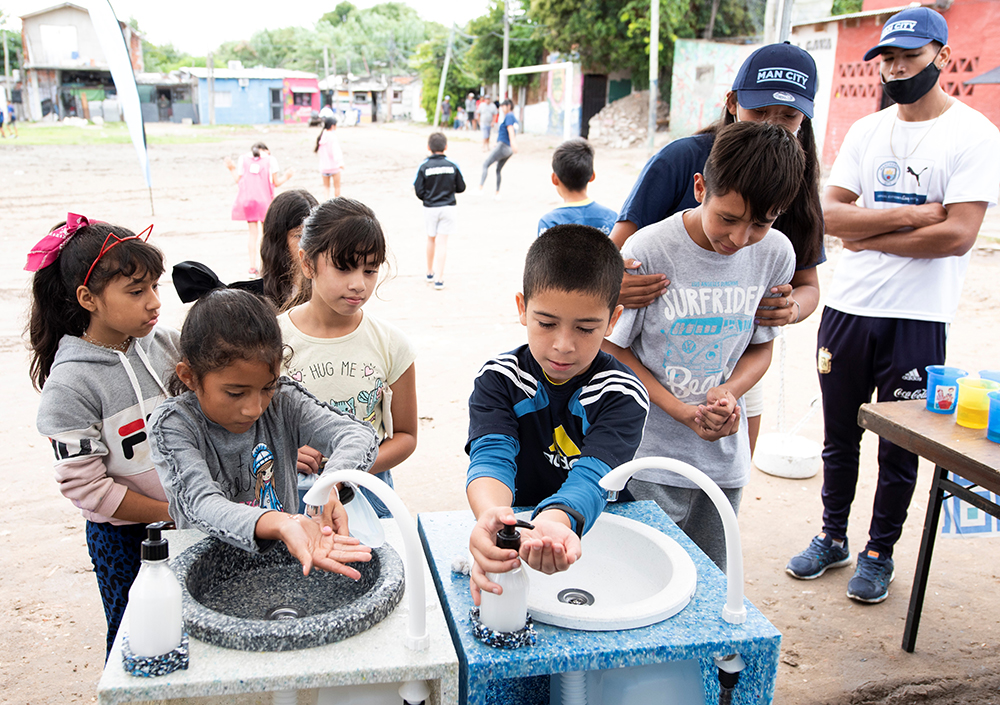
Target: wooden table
x=954, y=448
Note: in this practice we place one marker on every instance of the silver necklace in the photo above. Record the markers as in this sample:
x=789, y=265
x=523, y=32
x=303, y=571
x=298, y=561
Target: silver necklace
x=917, y=145
x=120, y=347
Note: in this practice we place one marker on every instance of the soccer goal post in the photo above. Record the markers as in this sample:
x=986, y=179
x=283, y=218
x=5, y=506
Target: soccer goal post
x=545, y=68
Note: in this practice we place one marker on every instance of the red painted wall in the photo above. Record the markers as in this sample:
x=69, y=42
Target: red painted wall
x=974, y=37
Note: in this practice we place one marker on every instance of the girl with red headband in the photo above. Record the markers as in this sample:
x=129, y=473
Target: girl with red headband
x=98, y=357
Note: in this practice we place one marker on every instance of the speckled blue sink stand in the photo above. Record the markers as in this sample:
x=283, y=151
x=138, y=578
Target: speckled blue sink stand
x=488, y=675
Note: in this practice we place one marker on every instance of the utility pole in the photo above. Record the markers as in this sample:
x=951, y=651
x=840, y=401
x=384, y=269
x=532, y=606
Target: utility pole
x=506, y=50
x=392, y=66
x=210, y=64
x=326, y=69
x=654, y=71
x=6, y=65
x=444, y=75
x=785, y=28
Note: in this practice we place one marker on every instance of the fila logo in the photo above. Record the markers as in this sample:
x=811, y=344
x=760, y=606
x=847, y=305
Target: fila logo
x=132, y=435
x=913, y=376
x=785, y=75
x=901, y=26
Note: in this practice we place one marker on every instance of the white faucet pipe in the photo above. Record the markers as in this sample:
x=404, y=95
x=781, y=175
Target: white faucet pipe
x=285, y=697
x=573, y=688
x=319, y=494
x=733, y=611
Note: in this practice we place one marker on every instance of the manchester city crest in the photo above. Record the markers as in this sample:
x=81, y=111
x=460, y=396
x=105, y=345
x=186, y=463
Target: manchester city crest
x=888, y=173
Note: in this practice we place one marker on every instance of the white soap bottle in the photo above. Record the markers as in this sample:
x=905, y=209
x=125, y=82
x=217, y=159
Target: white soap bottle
x=508, y=611
x=154, y=600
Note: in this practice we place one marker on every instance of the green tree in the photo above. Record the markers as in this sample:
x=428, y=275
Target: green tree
x=613, y=35
x=428, y=60
x=845, y=7
x=485, y=58
x=13, y=40
x=380, y=39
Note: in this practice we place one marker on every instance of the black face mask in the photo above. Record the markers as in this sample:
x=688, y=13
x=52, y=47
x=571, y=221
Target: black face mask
x=910, y=90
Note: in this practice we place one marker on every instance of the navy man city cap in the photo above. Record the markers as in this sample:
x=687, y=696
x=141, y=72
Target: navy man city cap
x=777, y=74
x=911, y=29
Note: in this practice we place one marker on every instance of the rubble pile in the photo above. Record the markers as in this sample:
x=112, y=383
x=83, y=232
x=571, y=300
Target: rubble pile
x=623, y=123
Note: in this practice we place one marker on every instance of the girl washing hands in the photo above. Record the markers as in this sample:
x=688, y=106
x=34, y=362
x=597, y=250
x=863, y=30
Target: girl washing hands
x=98, y=357
x=225, y=448
x=344, y=356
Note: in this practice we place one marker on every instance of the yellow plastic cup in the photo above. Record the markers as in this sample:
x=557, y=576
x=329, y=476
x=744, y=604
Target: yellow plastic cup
x=974, y=401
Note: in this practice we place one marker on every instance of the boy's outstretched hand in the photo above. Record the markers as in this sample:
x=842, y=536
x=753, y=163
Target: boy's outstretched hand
x=318, y=546
x=551, y=547
x=719, y=416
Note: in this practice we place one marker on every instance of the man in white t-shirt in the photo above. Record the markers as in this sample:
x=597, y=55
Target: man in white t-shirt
x=907, y=196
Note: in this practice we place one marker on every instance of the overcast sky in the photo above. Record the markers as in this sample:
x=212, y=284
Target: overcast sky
x=199, y=26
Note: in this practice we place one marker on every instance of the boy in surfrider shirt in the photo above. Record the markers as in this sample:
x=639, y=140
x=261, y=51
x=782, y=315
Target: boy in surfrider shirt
x=549, y=419
x=698, y=348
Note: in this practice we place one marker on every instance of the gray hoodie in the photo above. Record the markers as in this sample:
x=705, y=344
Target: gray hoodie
x=222, y=482
x=94, y=408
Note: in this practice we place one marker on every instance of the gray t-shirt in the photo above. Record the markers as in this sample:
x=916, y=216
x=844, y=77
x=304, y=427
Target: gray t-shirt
x=691, y=338
x=222, y=482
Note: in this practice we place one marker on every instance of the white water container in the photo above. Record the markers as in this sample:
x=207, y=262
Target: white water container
x=154, y=601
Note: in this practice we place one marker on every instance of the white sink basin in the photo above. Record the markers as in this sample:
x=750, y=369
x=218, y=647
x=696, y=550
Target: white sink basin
x=629, y=576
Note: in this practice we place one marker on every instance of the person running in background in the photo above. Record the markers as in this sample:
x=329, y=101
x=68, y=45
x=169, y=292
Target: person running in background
x=572, y=170
x=257, y=175
x=506, y=144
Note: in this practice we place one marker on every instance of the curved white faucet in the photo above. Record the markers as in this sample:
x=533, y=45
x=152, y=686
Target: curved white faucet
x=733, y=611
x=417, y=638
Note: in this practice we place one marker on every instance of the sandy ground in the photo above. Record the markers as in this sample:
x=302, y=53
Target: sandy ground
x=833, y=651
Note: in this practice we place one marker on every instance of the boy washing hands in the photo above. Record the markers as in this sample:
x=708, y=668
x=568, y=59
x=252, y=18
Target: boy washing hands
x=549, y=419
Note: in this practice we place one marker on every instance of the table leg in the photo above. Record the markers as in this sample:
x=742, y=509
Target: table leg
x=924, y=560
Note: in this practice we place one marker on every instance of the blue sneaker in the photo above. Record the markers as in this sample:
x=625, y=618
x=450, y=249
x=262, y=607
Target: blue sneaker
x=871, y=578
x=822, y=553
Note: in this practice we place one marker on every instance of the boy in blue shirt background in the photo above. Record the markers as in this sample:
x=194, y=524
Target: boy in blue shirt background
x=572, y=170
x=549, y=419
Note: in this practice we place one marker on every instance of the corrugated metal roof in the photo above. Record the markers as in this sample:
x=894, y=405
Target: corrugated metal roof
x=265, y=73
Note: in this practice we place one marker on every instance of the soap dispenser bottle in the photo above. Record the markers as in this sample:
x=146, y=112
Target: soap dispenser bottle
x=507, y=612
x=154, y=600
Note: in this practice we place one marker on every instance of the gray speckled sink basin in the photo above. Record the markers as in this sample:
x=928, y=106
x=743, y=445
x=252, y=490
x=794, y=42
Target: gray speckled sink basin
x=228, y=593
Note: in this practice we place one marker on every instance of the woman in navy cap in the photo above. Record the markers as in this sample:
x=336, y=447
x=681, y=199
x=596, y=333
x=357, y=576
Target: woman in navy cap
x=776, y=84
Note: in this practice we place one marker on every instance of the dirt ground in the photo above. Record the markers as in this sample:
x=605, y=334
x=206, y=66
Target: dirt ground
x=833, y=651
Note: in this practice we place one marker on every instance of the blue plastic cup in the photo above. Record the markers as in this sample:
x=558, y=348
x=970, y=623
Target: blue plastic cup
x=993, y=375
x=942, y=388
x=993, y=427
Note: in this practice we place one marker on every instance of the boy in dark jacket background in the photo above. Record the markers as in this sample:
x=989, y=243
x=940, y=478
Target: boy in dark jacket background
x=438, y=180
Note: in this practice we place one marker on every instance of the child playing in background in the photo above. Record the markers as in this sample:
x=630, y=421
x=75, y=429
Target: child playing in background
x=506, y=144
x=438, y=180
x=257, y=176
x=721, y=258
x=348, y=358
x=549, y=419
x=331, y=157
x=225, y=448
x=572, y=170
x=98, y=358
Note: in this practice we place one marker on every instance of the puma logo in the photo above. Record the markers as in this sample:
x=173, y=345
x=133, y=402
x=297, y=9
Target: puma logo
x=909, y=170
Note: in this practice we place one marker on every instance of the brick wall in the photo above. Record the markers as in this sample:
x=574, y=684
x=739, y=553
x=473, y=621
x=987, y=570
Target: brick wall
x=974, y=36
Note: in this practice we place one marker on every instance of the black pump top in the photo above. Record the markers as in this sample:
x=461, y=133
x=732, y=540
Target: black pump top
x=510, y=537
x=155, y=548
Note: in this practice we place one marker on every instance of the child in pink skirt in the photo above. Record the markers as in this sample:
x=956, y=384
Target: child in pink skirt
x=331, y=158
x=257, y=176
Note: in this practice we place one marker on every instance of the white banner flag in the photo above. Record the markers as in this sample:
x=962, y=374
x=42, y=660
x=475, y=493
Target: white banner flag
x=109, y=32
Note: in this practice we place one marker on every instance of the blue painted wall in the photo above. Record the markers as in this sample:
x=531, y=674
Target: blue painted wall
x=250, y=105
